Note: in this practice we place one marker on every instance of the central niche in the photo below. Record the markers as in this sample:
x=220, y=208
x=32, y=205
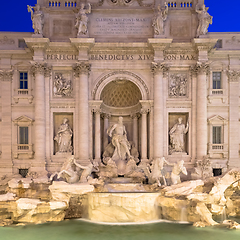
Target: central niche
x=121, y=93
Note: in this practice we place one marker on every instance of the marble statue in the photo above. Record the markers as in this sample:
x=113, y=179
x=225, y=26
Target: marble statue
x=156, y=171
x=87, y=171
x=68, y=171
x=159, y=19
x=61, y=86
x=204, y=20
x=118, y=134
x=177, y=133
x=82, y=20
x=64, y=137
x=177, y=169
x=134, y=171
x=37, y=19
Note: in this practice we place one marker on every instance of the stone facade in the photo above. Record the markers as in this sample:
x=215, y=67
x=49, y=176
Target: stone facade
x=120, y=66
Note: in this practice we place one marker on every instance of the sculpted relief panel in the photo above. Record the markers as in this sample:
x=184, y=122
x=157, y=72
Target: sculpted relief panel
x=62, y=85
x=178, y=85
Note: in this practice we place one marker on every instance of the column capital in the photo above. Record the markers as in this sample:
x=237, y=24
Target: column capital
x=159, y=67
x=200, y=67
x=95, y=106
x=6, y=75
x=146, y=106
x=82, y=67
x=40, y=67
x=233, y=75
x=135, y=115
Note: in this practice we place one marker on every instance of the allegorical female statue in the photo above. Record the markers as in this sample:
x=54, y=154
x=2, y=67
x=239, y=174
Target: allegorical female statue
x=159, y=19
x=37, y=19
x=82, y=20
x=204, y=20
x=177, y=133
x=64, y=137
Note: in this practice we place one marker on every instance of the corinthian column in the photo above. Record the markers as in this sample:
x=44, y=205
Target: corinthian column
x=233, y=77
x=81, y=71
x=158, y=69
x=144, y=134
x=39, y=69
x=202, y=70
x=6, y=131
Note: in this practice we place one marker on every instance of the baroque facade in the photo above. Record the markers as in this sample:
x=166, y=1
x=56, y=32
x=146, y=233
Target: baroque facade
x=88, y=63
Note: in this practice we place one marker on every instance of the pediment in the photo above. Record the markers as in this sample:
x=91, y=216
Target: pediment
x=23, y=120
x=217, y=119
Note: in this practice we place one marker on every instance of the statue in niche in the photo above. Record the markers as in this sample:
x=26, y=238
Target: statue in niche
x=64, y=137
x=61, y=86
x=82, y=20
x=204, y=20
x=177, y=169
x=37, y=19
x=118, y=134
x=119, y=148
x=178, y=85
x=177, y=133
x=159, y=19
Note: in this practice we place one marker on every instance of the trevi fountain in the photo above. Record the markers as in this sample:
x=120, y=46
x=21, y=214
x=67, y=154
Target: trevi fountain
x=144, y=170
x=122, y=190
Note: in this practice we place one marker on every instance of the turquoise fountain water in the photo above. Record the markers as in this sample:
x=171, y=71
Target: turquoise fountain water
x=80, y=230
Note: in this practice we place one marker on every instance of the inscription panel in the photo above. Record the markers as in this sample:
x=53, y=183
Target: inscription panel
x=117, y=25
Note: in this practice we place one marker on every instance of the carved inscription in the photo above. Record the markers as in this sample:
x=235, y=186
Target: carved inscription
x=181, y=57
x=118, y=57
x=112, y=26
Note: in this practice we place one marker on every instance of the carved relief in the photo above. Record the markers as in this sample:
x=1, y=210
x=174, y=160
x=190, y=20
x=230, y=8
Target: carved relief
x=120, y=2
x=62, y=87
x=7, y=41
x=233, y=41
x=178, y=85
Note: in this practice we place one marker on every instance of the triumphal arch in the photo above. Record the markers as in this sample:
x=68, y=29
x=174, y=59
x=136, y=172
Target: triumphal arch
x=96, y=76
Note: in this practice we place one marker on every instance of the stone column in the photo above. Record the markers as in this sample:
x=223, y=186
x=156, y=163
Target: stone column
x=6, y=131
x=151, y=130
x=39, y=69
x=135, y=129
x=81, y=71
x=158, y=70
x=144, y=134
x=97, y=134
x=105, y=128
x=202, y=70
x=233, y=77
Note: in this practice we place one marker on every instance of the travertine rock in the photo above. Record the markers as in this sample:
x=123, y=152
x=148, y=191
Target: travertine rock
x=62, y=191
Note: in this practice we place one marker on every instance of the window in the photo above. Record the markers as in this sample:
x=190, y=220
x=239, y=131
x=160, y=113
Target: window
x=219, y=43
x=217, y=172
x=23, y=135
x=217, y=76
x=217, y=135
x=23, y=80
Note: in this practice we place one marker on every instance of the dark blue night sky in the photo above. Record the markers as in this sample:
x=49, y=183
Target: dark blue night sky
x=14, y=16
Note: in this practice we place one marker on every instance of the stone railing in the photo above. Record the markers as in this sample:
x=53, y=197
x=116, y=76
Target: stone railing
x=61, y=3
x=214, y=149
x=23, y=149
x=180, y=4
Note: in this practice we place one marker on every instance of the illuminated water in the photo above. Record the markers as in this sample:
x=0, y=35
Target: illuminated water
x=79, y=230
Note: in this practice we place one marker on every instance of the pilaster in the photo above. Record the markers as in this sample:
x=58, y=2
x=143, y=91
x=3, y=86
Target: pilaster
x=233, y=78
x=6, y=131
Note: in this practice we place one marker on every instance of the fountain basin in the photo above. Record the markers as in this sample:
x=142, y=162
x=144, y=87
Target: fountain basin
x=123, y=207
